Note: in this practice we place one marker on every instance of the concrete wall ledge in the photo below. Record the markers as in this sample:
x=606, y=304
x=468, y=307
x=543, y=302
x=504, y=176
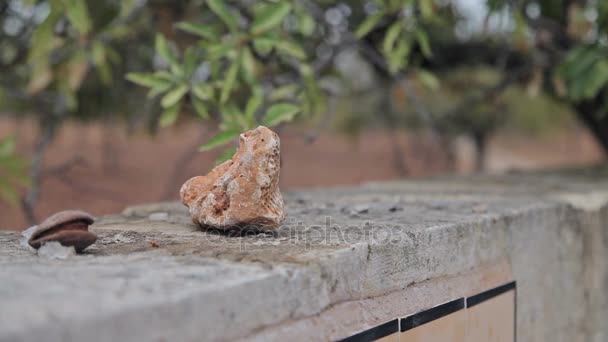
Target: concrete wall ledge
x=346, y=259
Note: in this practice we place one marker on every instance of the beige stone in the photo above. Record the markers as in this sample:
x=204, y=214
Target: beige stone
x=243, y=191
x=492, y=320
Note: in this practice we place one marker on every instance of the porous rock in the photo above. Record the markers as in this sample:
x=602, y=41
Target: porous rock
x=242, y=192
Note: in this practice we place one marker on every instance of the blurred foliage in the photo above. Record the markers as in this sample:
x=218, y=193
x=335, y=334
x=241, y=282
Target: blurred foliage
x=241, y=63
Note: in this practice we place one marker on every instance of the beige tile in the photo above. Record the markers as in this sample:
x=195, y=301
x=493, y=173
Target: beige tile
x=390, y=338
x=492, y=320
x=447, y=328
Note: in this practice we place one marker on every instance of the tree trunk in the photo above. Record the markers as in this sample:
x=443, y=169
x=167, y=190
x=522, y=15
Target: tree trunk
x=595, y=121
x=480, y=141
x=47, y=125
x=387, y=115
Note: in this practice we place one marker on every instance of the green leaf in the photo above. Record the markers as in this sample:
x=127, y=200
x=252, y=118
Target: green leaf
x=203, y=91
x=229, y=81
x=42, y=76
x=169, y=116
x=264, y=45
x=217, y=51
x=221, y=10
x=596, y=79
x=197, y=29
x=164, y=50
x=423, y=40
x=307, y=25
x=391, y=37
x=77, y=66
x=270, y=17
x=280, y=112
x=291, y=49
x=233, y=117
x=44, y=39
x=288, y=91
x=253, y=104
x=428, y=79
x=156, y=90
x=426, y=8
x=225, y=155
x=200, y=108
x=190, y=61
x=78, y=15
x=173, y=96
x=248, y=66
x=220, y=139
x=147, y=80
x=397, y=58
x=580, y=63
x=98, y=53
x=368, y=24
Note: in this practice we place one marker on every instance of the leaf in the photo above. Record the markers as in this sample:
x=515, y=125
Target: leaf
x=368, y=24
x=219, y=8
x=78, y=15
x=270, y=17
x=203, y=91
x=283, y=92
x=217, y=51
x=164, y=50
x=44, y=39
x=248, y=66
x=41, y=78
x=307, y=25
x=290, y=48
x=253, y=104
x=312, y=89
x=233, y=117
x=77, y=68
x=156, y=90
x=280, y=112
x=190, y=61
x=397, y=58
x=197, y=29
x=229, y=81
x=173, y=96
x=148, y=80
x=426, y=8
x=428, y=79
x=264, y=45
x=225, y=155
x=169, y=116
x=423, y=41
x=596, y=79
x=221, y=138
x=98, y=53
x=200, y=108
x=579, y=61
x=391, y=37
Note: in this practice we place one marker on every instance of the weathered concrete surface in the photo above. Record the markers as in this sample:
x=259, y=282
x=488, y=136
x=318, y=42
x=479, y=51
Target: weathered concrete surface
x=345, y=259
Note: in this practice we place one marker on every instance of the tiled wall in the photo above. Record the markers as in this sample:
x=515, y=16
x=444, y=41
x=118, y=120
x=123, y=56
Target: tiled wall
x=488, y=316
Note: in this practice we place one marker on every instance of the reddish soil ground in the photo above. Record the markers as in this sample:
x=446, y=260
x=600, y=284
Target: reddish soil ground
x=101, y=169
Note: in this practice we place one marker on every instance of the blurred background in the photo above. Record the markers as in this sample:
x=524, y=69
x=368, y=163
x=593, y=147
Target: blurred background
x=108, y=103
